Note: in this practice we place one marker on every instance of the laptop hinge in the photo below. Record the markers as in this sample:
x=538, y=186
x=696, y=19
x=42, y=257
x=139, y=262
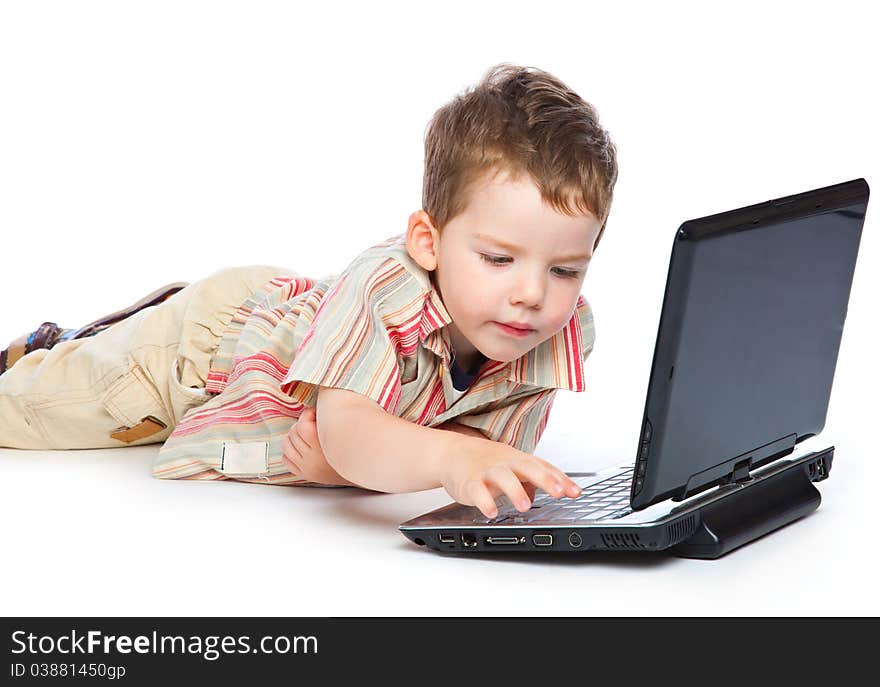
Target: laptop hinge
x=736, y=470
x=740, y=473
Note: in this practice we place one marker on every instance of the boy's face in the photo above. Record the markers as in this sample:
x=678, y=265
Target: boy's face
x=533, y=277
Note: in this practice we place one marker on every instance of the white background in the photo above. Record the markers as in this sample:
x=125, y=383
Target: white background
x=146, y=143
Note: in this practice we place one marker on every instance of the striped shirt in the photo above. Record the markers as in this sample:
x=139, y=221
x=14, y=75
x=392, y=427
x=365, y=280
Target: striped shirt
x=378, y=329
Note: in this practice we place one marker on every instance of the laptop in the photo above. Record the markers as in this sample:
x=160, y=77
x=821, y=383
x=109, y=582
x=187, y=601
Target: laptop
x=728, y=450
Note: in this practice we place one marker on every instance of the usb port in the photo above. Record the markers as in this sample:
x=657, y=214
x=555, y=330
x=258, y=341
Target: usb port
x=542, y=539
x=447, y=539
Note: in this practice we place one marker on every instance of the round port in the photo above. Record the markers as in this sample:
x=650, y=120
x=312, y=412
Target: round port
x=575, y=539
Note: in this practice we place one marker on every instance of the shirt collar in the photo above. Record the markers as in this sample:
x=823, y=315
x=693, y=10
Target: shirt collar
x=557, y=362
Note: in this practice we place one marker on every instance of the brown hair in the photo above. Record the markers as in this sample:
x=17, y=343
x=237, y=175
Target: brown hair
x=520, y=120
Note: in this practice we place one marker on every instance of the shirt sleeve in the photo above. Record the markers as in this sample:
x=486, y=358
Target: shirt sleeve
x=518, y=420
x=348, y=344
x=238, y=434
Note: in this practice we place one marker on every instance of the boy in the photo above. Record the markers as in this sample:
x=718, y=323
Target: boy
x=432, y=360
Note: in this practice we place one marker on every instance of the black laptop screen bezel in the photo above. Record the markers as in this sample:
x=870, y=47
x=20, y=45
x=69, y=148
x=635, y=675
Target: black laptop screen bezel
x=651, y=483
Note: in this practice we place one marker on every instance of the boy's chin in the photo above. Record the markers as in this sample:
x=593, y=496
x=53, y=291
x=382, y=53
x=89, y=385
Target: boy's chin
x=503, y=354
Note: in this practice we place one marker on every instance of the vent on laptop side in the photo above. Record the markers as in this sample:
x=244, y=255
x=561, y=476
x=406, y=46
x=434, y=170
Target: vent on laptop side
x=622, y=541
x=681, y=529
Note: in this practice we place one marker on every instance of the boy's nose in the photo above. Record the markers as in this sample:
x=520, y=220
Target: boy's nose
x=528, y=292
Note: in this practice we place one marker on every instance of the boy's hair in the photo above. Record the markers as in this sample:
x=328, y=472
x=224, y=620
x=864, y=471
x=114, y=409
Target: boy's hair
x=520, y=120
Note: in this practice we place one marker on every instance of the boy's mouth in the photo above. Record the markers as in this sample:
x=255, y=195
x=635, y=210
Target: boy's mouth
x=514, y=330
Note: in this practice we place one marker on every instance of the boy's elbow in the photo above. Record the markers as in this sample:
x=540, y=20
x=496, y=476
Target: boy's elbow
x=339, y=414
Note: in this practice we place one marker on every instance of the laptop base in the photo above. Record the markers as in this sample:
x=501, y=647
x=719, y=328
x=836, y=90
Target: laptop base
x=706, y=527
x=751, y=513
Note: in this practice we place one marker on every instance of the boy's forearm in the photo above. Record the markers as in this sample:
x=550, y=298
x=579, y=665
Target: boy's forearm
x=382, y=452
x=461, y=429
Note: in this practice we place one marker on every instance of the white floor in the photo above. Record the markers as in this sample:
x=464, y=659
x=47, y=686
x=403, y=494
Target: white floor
x=92, y=533
x=213, y=137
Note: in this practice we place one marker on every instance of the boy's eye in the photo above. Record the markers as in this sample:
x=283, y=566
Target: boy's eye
x=570, y=274
x=493, y=259
x=496, y=260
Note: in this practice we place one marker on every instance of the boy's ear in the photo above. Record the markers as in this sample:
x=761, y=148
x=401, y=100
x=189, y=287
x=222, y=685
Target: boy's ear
x=422, y=240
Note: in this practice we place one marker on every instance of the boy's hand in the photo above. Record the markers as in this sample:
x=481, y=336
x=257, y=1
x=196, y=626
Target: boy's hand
x=484, y=469
x=303, y=455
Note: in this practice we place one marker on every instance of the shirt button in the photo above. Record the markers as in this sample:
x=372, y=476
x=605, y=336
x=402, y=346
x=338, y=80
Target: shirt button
x=440, y=372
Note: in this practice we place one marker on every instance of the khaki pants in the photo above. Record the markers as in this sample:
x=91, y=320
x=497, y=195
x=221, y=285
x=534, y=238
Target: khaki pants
x=154, y=363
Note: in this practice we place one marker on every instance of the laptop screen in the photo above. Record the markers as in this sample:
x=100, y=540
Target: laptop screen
x=748, y=340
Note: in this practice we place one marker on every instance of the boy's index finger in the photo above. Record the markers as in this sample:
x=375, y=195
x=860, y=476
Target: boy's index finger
x=569, y=486
x=565, y=487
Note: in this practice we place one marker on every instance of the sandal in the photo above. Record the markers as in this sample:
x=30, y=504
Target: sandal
x=48, y=334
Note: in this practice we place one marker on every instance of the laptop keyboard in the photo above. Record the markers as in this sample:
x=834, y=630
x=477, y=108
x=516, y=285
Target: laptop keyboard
x=605, y=500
